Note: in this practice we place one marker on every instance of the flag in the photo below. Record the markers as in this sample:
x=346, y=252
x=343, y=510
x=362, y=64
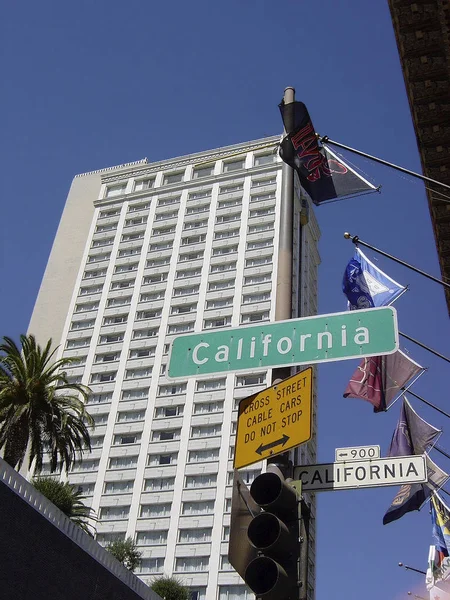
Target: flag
x=413, y=435
x=366, y=286
x=440, y=518
x=322, y=174
x=438, y=568
x=379, y=379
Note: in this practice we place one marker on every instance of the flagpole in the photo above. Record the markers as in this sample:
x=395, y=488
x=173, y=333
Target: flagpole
x=355, y=239
x=428, y=403
x=326, y=140
x=424, y=347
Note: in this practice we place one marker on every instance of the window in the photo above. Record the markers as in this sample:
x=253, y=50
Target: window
x=263, y=181
x=256, y=279
x=180, y=328
x=159, y=484
x=100, y=398
x=110, y=357
x=234, y=187
x=102, y=242
x=123, y=462
x=259, y=244
x=164, y=201
x=258, y=260
x=126, y=268
x=254, y=379
x=262, y=212
x=169, y=411
x=137, y=373
x=201, y=408
x=150, y=565
x=189, y=273
x=135, y=221
x=234, y=592
x=135, y=393
x=203, y=171
x=195, y=535
x=233, y=165
x=77, y=361
x=190, y=256
x=221, y=235
x=226, y=218
x=115, y=320
x=262, y=227
x=162, y=459
x=167, y=435
x=132, y=415
x=225, y=564
x=129, y=237
x=161, y=246
x=218, y=322
x=103, y=377
x=196, y=481
x=220, y=285
x=119, y=301
x=144, y=184
x=155, y=510
x=226, y=250
x=128, y=438
x=140, y=206
x=148, y=314
x=194, y=210
x=143, y=352
x=150, y=538
x=111, y=338
x=119, y=285
x=203, y=455
x=262, y=197
x=195, y=224
x=108, y=538
x=192, y=563
x=164, y=230
x=206, y=430
x=218, y=268
x=119, y=487
x=109, y=213
x=115, y=190
x=170, y=390
x=212, y=384
x=197, y=194
x=144, y=333
x=156, y=278
x=158, y=262
x=99, y=257
x=254, y=317
x=78, y=343
x=150, y=297
x=86, y=307
x=186, y=291
x=219, y=303
x=86, y=324
x=256, y=297
x=87, y=489
x=265, y=159
x=86, y=465
x=106, y=227
x=112, y=513
x=173, y=177
x=229, y=203
x=193, y=239
x=95, y=273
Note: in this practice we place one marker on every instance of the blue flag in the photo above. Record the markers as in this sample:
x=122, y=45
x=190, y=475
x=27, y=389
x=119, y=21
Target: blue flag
x=366, y=286
x=440, y=518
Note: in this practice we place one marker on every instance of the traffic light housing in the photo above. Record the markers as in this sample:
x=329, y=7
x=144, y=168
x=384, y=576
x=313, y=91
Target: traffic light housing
x=274, y=534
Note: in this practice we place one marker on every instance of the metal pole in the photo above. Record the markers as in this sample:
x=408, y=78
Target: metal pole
x=326, y=140
x=427, y=403
x=425, y=347
x=411, y=568
x=355, y=239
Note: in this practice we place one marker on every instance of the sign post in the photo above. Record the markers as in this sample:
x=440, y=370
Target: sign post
x=309, y=340
x=274, y=420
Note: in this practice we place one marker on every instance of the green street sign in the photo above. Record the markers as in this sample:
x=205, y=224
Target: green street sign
x=323, y=338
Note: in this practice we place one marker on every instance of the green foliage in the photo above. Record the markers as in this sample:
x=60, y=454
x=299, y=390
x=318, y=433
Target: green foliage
x=40, y=411
x=68, y=499
x=170, y=588
x=126, y=552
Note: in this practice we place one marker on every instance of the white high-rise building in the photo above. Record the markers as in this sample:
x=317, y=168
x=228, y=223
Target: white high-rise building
x=146, y=252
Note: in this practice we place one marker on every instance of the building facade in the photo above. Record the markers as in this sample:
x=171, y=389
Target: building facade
x=145, y=253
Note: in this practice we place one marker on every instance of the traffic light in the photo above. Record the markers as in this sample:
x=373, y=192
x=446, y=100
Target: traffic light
x=274, y=533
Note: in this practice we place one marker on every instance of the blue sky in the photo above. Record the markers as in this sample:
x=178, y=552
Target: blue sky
x=95, y=84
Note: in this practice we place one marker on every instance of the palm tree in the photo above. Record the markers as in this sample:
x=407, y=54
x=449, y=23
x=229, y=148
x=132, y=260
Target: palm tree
x=68, y=499
x=40, y=411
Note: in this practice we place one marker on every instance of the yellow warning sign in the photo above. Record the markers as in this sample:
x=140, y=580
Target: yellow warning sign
x=274, y=420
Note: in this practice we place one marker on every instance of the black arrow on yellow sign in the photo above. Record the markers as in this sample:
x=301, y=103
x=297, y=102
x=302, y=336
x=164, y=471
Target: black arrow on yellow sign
x=281, y=442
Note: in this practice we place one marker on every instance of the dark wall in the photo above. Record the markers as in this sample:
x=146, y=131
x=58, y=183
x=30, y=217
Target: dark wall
x=39, y=562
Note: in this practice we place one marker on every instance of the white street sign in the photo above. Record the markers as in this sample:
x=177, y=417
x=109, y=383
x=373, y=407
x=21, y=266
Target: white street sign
x=362, y=474
x=357, y=453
